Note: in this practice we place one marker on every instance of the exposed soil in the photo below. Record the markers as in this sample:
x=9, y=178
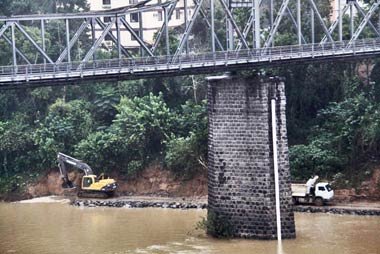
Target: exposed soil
x=369, y=190
x=151, y=181
x=156, y=181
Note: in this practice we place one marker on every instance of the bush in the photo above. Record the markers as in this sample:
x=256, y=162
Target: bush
x=216, y=226
x=184, y=156
x=315, y=158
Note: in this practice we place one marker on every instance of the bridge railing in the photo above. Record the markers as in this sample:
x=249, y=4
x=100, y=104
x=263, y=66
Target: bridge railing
x=219, y=57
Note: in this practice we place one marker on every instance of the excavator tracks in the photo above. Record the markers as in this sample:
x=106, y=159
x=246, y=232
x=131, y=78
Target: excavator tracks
x=94, y=194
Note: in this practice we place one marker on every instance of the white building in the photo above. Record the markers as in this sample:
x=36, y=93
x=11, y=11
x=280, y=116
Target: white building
x=339, y=4
x=151, y=20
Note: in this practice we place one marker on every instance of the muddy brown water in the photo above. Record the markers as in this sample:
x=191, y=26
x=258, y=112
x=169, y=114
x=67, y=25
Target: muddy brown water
x=60, y=228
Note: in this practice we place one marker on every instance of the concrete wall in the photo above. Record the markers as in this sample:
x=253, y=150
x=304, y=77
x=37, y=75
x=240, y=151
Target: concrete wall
x=241, y=179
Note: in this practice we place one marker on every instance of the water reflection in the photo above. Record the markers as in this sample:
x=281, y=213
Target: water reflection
x=279, y=247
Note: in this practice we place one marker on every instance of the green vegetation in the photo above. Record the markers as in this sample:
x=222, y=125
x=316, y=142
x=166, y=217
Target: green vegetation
x=333, y=116
x=344, y=142
x=216, y=226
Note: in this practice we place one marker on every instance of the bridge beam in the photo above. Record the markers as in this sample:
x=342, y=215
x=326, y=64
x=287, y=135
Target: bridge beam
x=240, y=174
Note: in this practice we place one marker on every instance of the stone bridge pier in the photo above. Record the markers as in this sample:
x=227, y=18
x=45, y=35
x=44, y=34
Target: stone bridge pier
x=241, y=190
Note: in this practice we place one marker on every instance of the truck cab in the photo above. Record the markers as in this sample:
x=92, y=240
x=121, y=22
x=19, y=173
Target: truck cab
x=324, y=191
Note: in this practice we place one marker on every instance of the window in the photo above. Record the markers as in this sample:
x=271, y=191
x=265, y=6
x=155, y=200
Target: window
x=321, y=188
x=106, y=2
x=159, y=15
x=133, y=1
x=134, y=17
x=177, y=14
x=328, y=187
x=107, y=19
x=159, y=1
x=87, y=181
x=137, y=32
x=108, y=38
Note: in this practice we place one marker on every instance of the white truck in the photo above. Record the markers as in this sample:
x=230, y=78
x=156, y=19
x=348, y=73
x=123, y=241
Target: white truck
x=322, y=194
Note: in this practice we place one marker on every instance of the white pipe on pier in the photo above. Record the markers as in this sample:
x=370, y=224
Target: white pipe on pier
x=275, y=164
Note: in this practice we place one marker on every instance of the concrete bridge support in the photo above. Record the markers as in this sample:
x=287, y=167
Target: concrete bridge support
x=241, y=176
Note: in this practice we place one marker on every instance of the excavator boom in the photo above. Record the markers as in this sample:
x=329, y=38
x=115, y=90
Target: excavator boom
x=62, y=159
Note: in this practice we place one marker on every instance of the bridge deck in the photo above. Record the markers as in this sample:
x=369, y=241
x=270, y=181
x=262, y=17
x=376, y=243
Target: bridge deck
x=45, y=74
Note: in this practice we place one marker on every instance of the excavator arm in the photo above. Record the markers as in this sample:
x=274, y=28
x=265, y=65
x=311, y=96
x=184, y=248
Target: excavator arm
x=62, y=160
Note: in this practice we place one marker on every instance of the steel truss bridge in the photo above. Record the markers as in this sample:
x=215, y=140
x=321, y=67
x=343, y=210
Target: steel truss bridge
x=232, y=42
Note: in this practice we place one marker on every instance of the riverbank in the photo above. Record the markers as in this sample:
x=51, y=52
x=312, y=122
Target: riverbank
x=355, y=208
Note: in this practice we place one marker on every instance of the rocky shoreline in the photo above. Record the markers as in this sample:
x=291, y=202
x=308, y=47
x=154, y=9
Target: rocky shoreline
x=336, y=210
x=138, y=204
x=201, y=205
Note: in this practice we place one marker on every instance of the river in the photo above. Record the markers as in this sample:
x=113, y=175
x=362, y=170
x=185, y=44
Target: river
x=56, y=228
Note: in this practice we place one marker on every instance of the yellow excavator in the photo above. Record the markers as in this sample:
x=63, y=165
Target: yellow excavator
x=92, y=186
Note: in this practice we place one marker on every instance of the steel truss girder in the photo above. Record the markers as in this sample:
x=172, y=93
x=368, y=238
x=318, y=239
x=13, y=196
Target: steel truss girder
x=247, y=28
x=361, y=11
x=246, y=31
x=4, y=28
x=9, y=41
x=343, y=12
x=72, y=41
x=97, y=43
x=276, y=23
x=188, y=29
x=335, y=23
x=43, y=53
x=237, y=36
x=233, y=23
x=295, y=23
x=137, y=37
x=364, y=22
x=285, y=7
x=325, y=29
x=162, y=29
x=112, y=37
x=204, y=16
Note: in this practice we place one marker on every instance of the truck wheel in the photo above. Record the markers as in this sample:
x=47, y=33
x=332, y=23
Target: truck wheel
x=318, y=201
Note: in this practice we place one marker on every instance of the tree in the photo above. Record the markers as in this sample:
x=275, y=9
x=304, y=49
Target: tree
x=64, y=126
x=147, y=121
x=16, y=142
x=186, y=150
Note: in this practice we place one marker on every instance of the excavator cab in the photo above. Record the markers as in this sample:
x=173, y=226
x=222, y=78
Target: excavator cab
x=87, y=181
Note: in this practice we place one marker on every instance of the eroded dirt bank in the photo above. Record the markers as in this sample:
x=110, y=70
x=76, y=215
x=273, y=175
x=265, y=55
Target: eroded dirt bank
x=151, y=181
x=368, y=190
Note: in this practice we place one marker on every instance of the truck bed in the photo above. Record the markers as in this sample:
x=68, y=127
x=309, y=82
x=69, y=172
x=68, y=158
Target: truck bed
x=298, y=190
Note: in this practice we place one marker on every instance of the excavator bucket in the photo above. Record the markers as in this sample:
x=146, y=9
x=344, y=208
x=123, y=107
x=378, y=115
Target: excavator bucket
x=67, y=184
